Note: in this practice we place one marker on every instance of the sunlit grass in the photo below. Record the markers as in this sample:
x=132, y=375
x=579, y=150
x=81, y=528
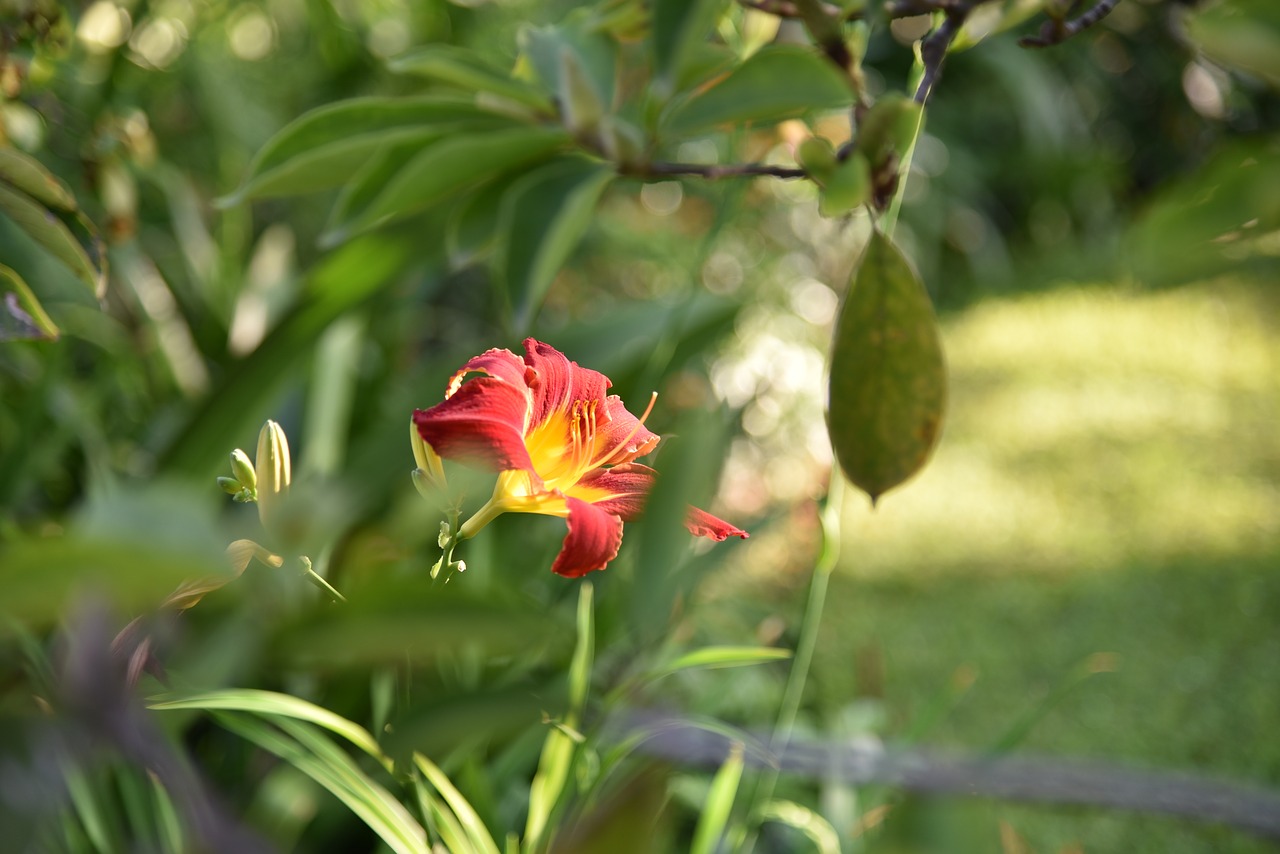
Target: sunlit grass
x=1090, y=427
x=1106, y=490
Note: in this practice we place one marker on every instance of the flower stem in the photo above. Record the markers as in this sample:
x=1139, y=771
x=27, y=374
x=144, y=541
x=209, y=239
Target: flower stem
x=799, y=675
x=318, y=580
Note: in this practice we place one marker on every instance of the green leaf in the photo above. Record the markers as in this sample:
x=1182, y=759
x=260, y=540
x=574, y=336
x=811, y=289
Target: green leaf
x=559, y=747
x=269, y=703
x=54, y=235
x=677, y=26
x=1243, y=34
x=27, y=175
x=805, y=820
x=338, y=283
x=1219, y=219
x=777, y=82
x=544, y=216
x=459, y=66
x=316, y=756
x=440, y=819
x=474, y=223
x=715, y=813
x=848, y=187
x=449, y=166
x=21, y=315
x=888, y=383
x=543, y=49
x=715, y=657
x=988, y=19
x=321, y=148
x=476, y=834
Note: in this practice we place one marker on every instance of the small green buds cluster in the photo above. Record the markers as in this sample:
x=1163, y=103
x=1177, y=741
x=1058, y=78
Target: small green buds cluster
x=267, y=479
x=243, y=483
x=845, y=184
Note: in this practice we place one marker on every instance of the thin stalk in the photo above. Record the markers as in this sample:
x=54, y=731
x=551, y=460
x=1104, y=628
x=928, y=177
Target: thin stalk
x=811, y=622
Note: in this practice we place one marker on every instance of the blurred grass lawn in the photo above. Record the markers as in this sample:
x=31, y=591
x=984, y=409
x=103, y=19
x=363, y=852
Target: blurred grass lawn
x=1108, y=482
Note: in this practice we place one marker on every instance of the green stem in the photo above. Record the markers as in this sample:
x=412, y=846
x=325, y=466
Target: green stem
x=811, y=622
x=318, y=580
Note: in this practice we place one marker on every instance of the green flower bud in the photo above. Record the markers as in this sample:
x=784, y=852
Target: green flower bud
x=230, y=485
x=274, y=472
x=243, y=470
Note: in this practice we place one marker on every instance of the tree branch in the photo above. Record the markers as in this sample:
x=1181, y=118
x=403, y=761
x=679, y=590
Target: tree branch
x=1056, y=30
x=789, y=9
x=709, y=170
x=933, y=50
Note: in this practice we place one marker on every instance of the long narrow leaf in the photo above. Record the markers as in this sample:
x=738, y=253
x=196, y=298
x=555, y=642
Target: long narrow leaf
x=805, y=820
x=271, y=703
x=713, y=657
x=320, y=760
x=477, y=834
x=724, y=788
x=441, y=821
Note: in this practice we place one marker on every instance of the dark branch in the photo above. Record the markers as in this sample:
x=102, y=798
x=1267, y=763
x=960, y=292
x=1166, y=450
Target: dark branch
x=933, y=50
x=687, y=743
x=1056, y=31
x=788, y=9
x=712, y=171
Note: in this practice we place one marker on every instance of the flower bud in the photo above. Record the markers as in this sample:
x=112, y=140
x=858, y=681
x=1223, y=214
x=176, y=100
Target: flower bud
x=273, y=471
x=229, y=485
x=429, y=462
x=243, y=470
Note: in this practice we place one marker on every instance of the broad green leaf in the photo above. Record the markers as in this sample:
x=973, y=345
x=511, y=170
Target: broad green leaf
x=321, y=148
x=777, y=82
x=269, y=703
x=477, y=835
x=715, y=812
x=21, y=315
x=27, y=175
x=395, y=622
x=318, y=758
x=677, y=26
x=464, y=68
x=1221, y=218
x=888, y=383
x=714, y=657
x=367, y=183
x=53, y=234
x=40, y=577
x=449, y=166
x=542, y=49
x=474, y=223
x=1243, y=34
x=544, y=216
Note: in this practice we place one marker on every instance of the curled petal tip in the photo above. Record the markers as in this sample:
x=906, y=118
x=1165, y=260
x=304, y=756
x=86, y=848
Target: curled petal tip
x=702, y=524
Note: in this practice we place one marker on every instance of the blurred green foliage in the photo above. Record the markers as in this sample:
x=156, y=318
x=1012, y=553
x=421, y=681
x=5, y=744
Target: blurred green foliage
x=314, y=211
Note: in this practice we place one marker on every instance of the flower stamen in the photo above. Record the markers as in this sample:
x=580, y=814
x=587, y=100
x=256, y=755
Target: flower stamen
x=613, y=452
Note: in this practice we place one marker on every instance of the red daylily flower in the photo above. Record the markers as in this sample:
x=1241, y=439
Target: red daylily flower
x=561, y=446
